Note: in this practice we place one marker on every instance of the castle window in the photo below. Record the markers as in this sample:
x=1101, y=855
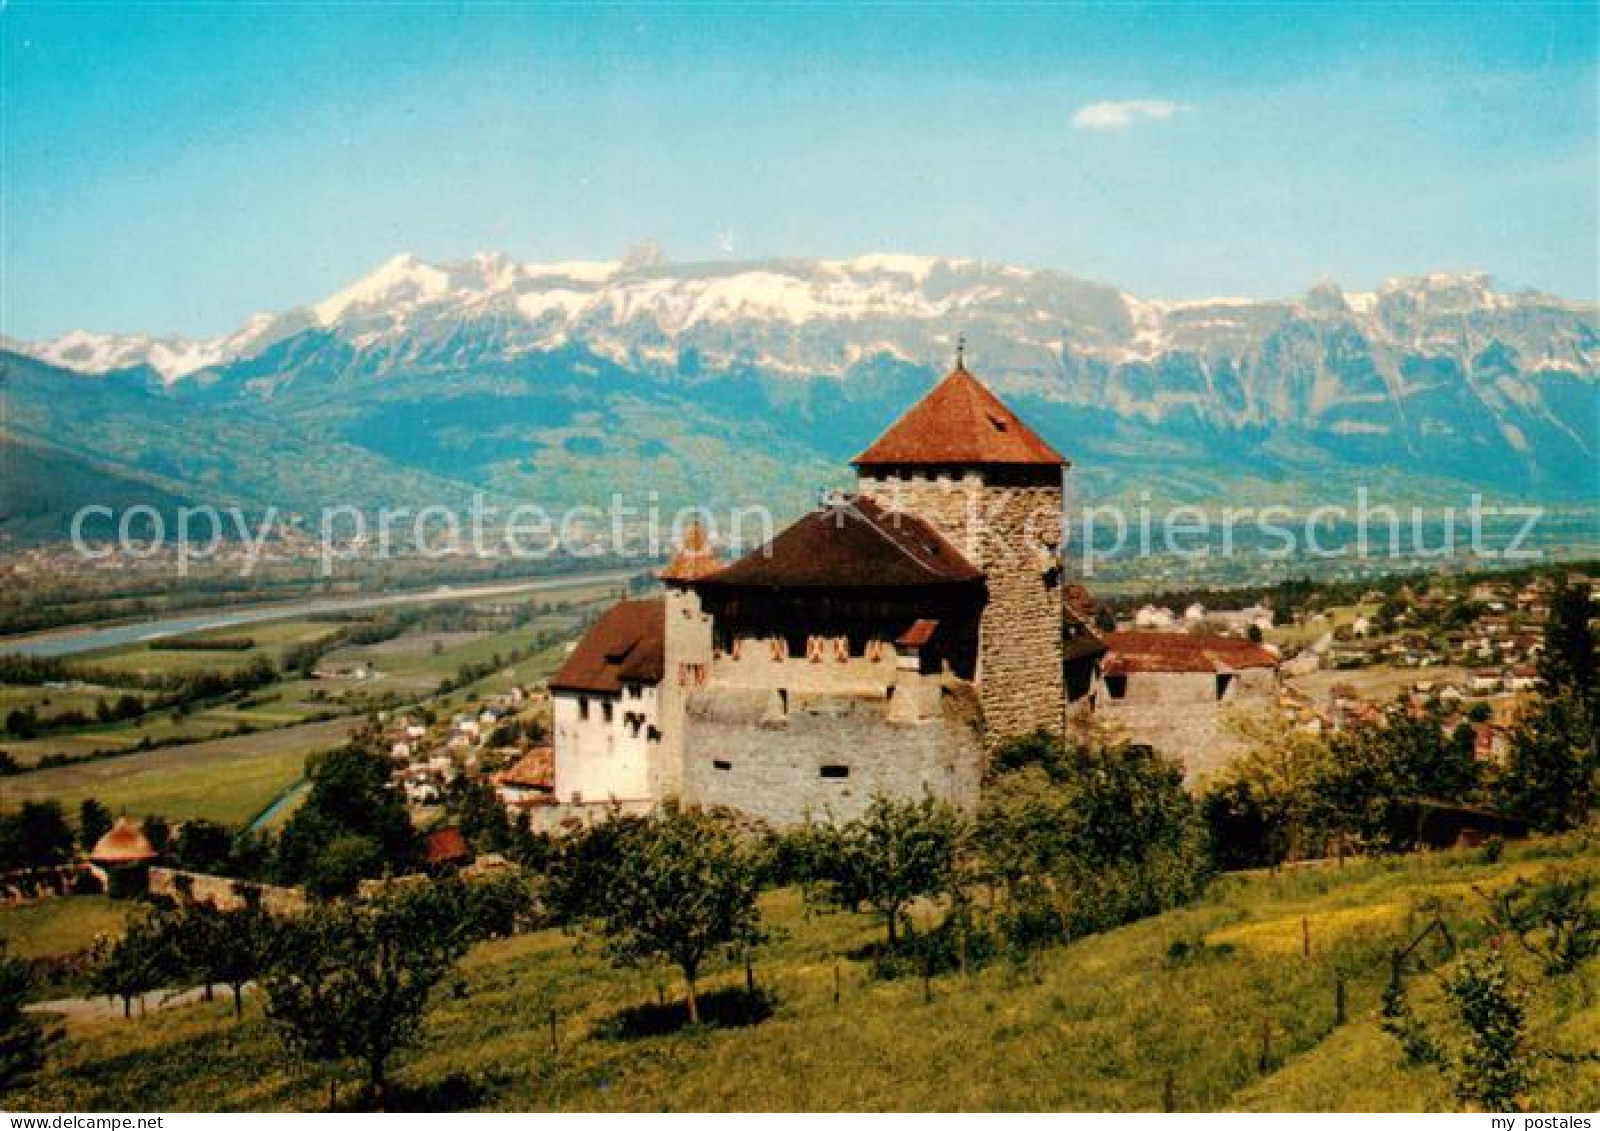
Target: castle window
x=835, y=773
x=606, y=710
x=719, y=764
x=583, y=706
x=1224, y=684
x=1116, y=686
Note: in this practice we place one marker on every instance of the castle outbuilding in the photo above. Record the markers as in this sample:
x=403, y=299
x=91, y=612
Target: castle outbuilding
x=123, y=857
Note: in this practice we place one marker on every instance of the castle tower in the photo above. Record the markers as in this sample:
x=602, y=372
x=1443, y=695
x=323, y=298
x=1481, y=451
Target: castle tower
x=686, y=652
x=963, y=462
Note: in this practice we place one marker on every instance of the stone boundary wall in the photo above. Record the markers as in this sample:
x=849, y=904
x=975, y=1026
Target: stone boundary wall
x=223, y=893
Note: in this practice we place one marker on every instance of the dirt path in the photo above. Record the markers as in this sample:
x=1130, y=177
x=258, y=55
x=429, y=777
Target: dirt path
x=110, y=1008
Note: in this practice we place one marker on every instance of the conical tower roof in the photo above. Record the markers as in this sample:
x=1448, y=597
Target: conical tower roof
x=125, y=843
x=694, y=558
x=960, y=422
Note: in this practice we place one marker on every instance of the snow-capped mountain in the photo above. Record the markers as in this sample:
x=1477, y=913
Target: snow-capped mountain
x=488, y=371
x=1030, y=328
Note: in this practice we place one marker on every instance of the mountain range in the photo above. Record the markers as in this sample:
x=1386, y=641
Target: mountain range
x=743, y=382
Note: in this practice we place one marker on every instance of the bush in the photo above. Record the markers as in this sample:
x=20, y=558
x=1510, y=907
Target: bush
x=1083, y=840
x=682, y=889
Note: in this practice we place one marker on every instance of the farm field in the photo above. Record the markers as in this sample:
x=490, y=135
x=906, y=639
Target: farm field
x=227, y=779
x=1379, y=684
x=270, y=640
x=1338, y=616
x=411, y=665
x=263, y=710
x=1170, y=1009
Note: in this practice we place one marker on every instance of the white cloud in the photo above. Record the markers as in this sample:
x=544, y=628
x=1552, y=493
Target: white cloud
x=1108, y=117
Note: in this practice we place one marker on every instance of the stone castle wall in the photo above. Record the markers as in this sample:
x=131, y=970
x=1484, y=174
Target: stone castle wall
x=754, y=667
x=1179, y=715
x=609, y=744
x=1009, y=525
x=687, y=651
x=828, y=755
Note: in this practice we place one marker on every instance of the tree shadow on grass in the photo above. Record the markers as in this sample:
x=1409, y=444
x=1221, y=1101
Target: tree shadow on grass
x=732, y=1008
x=455, y=1092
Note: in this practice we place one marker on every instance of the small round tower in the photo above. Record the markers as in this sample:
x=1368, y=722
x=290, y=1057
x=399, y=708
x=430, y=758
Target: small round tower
x=686, y=650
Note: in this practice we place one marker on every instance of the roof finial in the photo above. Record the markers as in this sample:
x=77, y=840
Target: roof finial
x=961, y=353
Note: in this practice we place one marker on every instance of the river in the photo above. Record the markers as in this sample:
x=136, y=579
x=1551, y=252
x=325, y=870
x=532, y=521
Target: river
x=71, y=641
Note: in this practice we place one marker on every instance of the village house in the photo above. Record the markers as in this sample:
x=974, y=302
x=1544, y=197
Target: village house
x=881, y=645
x=1484, y=681
x=527, y=782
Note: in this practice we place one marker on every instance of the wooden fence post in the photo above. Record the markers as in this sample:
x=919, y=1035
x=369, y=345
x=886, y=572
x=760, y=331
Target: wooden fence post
x=1305, y=935
x=1338, y=1001
x=555, y=1045
x=1266, y=1044
x=1169, y=1093
x=835, y=981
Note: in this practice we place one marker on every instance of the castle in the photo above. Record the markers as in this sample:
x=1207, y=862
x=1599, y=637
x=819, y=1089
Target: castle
x=879, y=645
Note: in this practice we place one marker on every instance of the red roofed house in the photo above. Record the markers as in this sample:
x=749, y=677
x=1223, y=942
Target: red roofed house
x=446, y=848
x=530, y=780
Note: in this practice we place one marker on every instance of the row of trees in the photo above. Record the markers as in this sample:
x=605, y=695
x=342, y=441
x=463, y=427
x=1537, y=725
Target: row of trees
x=1067, y=842
x=347, y=982
x=38, y=834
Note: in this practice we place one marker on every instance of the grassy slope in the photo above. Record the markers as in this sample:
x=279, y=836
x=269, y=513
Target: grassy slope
x=1097, y=1025
x=60, y=926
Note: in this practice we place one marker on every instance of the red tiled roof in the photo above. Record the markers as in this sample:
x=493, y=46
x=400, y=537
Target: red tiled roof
x=125, y=843
x=695, y=557
x=1082, y=647
x=959, y=422
x=446, y=846
x=1180, y=652
x=534, y=770
x=624, y=646
x=855, y=543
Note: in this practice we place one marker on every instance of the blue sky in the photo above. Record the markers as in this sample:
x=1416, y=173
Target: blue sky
x=172, y=168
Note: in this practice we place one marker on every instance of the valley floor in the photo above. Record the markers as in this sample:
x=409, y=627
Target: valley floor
x=1175, y=1009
